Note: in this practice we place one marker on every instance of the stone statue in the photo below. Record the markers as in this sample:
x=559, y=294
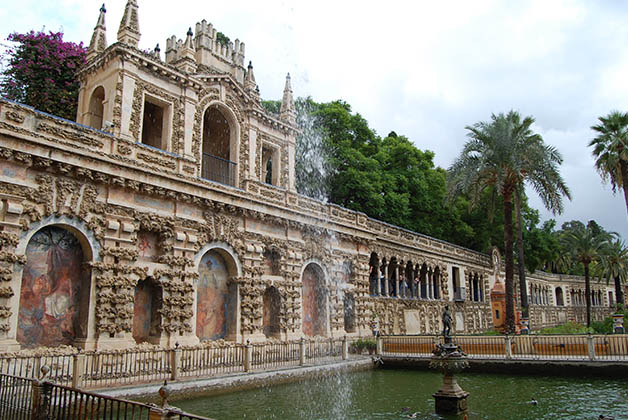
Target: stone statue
x=447, y=321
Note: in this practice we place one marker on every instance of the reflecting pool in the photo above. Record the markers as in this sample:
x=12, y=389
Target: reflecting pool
x=397, y=394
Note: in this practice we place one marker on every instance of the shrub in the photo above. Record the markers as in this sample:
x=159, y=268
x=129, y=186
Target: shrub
x=41, y=72
x=568, y=328
x=362, y=344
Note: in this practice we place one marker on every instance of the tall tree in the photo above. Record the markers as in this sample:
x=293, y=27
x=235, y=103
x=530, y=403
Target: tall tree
x=523, y=288
x=505, y=153
x=614, y=265
x=585, y=244
x=610, y=149
x=41, y=72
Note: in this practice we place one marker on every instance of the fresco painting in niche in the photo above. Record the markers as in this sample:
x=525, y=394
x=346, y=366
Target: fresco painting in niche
x=146, y=307
x=314, y=299
x=54, y=292
x=212, y=298
x=271, y=310
x=147, y=245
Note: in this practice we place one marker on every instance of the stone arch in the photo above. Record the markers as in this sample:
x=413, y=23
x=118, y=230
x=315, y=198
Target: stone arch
x=314, y=296
x=96, y=109
x=55, y=288
x=436, y=282
x=271, y=314
x=233, y=261
x=217, y=293
x=220, y=134
x=147, y=305
x=91, y=253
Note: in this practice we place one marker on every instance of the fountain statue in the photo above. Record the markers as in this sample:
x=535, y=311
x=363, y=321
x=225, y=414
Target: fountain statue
x=450, y=398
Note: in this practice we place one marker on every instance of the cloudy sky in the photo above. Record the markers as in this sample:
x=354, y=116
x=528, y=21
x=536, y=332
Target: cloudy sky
x=424, y=69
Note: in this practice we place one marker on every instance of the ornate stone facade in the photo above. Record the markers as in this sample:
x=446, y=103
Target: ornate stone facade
x=166, y=166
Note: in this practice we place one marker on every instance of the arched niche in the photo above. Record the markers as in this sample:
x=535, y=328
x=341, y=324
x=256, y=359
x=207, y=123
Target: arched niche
x=314, y=296
x=374, y=275
x=423, y=289
x=436, y=283
x=55, y=290
x=147, y=307
x=560, y=300
x=96, y=108
x=272, y=307
x=217, y=296
x=349, y=312
x=219, y=145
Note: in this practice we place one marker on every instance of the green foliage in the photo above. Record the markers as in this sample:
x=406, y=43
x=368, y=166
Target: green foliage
x=362, y=344
x=272, y=107
x=387, y=178
x=41, y=72
x=614, y=266
x=610, y=149
x=222, y=39
x=491, y=333
x=568, y=328
x=603, y=327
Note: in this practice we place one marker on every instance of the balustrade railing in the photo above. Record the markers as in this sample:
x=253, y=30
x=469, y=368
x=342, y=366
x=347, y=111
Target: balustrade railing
x=218, y=169
x=211, y=361
x=522, y=347
x=103, y=369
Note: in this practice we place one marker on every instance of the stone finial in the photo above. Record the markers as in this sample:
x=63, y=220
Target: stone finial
x=98, y=44
x=188, y=46
x=157, y=52
x=249, y=80
x=288, y=112
x=250, y=85
x=129, y=32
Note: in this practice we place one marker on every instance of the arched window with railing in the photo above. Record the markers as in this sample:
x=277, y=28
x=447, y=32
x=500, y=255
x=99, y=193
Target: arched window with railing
x=219, y=146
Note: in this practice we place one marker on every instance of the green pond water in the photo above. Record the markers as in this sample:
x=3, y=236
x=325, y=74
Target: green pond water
x=382, y=394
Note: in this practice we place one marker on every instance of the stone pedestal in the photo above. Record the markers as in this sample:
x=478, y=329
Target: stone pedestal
x=450, y=398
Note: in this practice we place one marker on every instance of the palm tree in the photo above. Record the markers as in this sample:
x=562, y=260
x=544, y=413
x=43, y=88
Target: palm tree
x=614, y=265
x=610, y=149
x=586, y=244
x=504, y=153
x=523, y=289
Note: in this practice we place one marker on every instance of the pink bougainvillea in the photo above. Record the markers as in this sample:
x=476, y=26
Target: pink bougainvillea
x=40, y=71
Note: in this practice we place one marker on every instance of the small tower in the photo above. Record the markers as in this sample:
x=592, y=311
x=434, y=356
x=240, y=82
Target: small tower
x=129, y=32
x=288, y=113
x=98, y=44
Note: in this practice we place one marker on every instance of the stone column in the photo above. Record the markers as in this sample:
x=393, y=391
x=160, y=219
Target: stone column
x=430, y=285
x=378, y=277
x=386, y=287
x=397, y=280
